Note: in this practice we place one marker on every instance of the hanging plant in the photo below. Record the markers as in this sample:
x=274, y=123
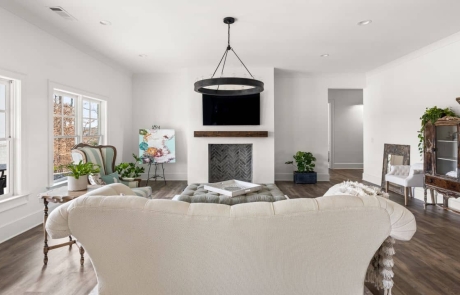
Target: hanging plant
x=431, y=115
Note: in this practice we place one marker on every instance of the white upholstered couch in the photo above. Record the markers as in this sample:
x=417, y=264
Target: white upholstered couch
x=297, y=246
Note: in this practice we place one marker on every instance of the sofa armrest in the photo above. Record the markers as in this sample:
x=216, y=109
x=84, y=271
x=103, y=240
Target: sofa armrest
x=403, y=225
x=56, y=224
x=415, y=172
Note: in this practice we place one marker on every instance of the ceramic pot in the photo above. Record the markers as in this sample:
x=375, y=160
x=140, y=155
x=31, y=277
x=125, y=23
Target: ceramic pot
x=79, y=184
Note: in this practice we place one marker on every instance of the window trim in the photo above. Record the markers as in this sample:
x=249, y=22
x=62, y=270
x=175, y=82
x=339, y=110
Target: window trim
x=19, y=173
x=54, y=87
x=9, y=135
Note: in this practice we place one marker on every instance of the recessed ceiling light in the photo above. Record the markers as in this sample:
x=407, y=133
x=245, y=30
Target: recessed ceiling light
x=365, y=22
x=324, y=55
x=105, y=23
x=142, y=55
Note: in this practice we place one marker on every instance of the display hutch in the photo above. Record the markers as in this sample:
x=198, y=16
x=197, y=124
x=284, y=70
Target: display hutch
x=441, y=159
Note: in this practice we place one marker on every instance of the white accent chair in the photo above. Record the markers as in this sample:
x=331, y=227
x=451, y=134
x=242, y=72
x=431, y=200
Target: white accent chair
x=408, y=176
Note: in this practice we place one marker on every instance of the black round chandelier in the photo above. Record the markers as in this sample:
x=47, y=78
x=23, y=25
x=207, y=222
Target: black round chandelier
x=212, y=85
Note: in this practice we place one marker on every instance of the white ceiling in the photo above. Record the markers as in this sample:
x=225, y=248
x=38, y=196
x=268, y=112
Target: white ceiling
x=286, y=34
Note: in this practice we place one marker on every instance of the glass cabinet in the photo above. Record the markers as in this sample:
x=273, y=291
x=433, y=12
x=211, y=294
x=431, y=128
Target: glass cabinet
x=446, y=154
x=441, y=154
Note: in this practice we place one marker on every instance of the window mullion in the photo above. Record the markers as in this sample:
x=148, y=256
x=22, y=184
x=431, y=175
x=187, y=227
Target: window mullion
x=78, y=114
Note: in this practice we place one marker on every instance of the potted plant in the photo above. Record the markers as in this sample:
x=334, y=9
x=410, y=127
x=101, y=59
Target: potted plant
x=77, y=177
x=130, y=171
x=431, y=115
x=305, y=162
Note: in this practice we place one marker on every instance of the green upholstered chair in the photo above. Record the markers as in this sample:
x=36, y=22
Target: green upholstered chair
x=105, y=156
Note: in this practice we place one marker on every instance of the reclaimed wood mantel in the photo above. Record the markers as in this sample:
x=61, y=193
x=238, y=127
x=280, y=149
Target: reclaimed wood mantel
x=231, y=133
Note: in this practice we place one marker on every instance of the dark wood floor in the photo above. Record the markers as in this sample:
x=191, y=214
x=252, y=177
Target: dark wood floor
x=428, y=264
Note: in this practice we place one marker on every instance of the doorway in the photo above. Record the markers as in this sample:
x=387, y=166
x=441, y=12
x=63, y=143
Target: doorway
x=345, y=128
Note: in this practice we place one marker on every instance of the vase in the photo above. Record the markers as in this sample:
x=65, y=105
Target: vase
x=79, y=184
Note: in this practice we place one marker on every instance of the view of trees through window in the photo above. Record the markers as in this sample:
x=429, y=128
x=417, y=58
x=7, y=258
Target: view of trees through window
x=72, y=126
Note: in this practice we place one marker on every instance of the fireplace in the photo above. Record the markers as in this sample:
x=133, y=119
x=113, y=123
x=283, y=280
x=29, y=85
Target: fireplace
x=230, y=161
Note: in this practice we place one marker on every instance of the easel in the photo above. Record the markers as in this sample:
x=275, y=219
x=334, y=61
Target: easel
x=155, y=176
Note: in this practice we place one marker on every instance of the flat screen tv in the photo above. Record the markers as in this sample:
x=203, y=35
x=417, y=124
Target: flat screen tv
x=231, y=110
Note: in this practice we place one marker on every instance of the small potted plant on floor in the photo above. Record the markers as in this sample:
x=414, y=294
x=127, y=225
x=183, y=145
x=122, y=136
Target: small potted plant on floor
x=130, y=171
x=77, y=177
x=305, y=162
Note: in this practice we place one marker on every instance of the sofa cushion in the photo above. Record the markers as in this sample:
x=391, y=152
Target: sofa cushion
x=397, y=179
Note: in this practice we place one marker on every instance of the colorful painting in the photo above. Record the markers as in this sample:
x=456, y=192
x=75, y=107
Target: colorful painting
x=157, y=145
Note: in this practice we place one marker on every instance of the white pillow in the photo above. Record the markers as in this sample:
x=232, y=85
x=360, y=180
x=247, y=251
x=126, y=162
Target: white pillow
x=95, y=179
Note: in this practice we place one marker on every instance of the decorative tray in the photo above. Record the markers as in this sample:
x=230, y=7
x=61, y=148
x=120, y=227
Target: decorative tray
x=232, y=188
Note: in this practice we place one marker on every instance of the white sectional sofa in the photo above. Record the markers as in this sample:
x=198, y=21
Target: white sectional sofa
x=297, y=246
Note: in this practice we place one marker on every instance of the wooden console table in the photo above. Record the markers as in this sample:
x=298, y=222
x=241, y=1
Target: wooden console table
x=61, y=195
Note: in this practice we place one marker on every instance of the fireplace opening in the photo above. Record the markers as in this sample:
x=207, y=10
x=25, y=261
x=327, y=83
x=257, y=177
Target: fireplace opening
x=230, y=161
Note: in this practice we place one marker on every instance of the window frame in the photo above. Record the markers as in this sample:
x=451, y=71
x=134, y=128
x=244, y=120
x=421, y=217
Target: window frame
x=80, y=96
x=9, y=135
x=99, y=119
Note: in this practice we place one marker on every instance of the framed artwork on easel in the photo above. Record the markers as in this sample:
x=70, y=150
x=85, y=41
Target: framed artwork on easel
x=158, y=145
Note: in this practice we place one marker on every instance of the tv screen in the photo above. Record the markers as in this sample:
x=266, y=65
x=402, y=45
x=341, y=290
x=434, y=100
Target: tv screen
x=231, y=110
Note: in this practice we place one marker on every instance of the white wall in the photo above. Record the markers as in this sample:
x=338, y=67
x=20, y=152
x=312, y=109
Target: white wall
x=347, y=128
x=301, y=117
x=169, y=100
x=38, y=58
x=162, y=99
x=397, y=95
x=263, y=149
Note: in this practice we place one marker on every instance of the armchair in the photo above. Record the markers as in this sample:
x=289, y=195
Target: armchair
x=105, y=156
x=407, y=176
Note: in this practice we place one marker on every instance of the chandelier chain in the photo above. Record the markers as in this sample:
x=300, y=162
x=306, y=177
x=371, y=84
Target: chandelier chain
x=225, y=55
x=242, y=63
x=204, y=86
x=223, y=66
x=226, y=51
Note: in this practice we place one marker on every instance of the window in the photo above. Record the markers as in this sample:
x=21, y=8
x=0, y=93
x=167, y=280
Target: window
x=6, y=134
x=91, y=117
x=76, y=119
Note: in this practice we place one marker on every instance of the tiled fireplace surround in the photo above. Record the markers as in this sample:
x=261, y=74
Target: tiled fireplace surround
x=229, y=161
x=262, y=159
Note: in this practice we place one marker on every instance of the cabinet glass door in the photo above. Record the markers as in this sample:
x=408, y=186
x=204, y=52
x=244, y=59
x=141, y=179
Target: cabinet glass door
x=446, y=150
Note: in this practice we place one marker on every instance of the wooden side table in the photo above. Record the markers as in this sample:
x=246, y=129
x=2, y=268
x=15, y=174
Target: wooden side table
x=61, y=195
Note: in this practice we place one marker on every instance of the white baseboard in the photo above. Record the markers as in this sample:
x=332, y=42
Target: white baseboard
x=169, y=176
x=13, y=202
x=377, y=180
x=289, y=177
x=18, y=226
x=347, y=166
